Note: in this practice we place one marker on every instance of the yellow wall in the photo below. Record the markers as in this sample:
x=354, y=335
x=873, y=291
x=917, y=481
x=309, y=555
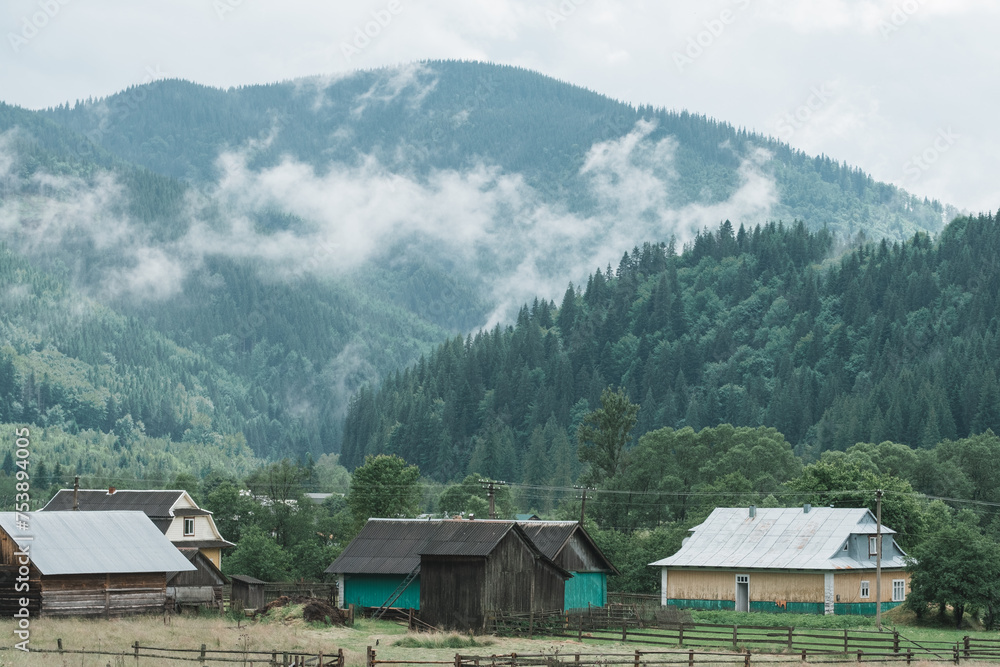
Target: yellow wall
x=764, y=586
x=214, y=555
x=847, y=584
x=691, y=585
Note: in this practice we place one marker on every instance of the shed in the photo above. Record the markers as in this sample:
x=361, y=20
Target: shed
x=569, y=545
x=793, y=559
x=85, y=563
x=458, y=559
x=471, y=568
x=201, y=587
x=248, y=590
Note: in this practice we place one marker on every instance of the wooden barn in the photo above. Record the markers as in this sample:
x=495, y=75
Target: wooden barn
x=201, y=587
x=86, y=563
x=800, y=560
x=454, y=571
x=569, y=546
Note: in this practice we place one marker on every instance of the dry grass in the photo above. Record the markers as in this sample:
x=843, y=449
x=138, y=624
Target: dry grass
x=289, y=634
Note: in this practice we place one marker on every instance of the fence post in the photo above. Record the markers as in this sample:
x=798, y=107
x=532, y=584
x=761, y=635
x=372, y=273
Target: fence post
x=136, y=647
x=956, y=653
x=680, y=634
x=895, y=641
x=579, y=628
x=202, y=656
x=734, y=637
x=284, y=659
x=909, y=655
x=624, y=631
x=340, y=657
x=369, y=657
x=274, y=659
x=458, y=660
x=319, y=660
x=966, y=642
x=691, y=658
x=846, y=647
x=790, y=638
x=746, y=659
x=803, y=655
x=859, y=655
x=59, y=644
x=637, y=658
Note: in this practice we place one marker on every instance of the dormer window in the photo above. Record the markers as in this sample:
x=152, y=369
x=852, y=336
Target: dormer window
x=188, y=527
x=872, y=545
x=846, y=545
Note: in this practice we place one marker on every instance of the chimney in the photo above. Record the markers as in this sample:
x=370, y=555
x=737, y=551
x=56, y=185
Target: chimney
x=806, y=508
x=111, y=490
x=472, y=517
x=753, y=511
x=76, y=494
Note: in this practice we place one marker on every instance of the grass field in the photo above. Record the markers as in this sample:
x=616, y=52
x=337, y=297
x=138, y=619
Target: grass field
x=391, y=640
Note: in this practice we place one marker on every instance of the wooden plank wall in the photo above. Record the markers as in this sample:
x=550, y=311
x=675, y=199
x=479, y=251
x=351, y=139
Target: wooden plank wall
x=103, y=594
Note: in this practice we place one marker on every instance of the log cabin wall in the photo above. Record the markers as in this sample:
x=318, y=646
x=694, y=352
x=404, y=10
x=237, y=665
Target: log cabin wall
x=103, y=594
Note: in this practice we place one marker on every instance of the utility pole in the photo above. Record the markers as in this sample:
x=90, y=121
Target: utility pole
x=76, y=493
x=583, y=503
x=491, y=492
x=878, y=559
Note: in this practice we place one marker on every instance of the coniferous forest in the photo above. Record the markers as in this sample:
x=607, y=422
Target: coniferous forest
x=771, y=326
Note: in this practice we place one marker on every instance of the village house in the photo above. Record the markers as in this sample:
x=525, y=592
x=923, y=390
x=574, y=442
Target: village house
x=175, y=513
x=454, y=571
x=805, y=559
x=86, y=563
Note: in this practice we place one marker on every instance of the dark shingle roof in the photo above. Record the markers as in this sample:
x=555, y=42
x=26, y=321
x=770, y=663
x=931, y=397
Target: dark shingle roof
x=553, y=536
x=155, y=504
x=394, y=546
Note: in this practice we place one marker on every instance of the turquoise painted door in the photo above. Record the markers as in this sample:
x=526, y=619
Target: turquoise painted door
x=584, y=588
x=372, y=590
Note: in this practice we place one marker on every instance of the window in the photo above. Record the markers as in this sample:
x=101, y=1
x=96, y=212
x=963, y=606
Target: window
x=864, y=589
x=898, y=590
x=872, y=545
x=846, y=545
x=743, y=578
x=188, y=527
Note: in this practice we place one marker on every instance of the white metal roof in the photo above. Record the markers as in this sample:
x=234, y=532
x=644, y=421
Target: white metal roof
x=785, y=538
x=94, y=542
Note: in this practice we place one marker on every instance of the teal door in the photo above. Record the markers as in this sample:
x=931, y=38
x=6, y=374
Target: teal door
x=586, y=589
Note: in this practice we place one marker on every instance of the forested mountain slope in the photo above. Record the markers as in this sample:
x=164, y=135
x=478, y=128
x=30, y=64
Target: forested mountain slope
x=893, y=341
x=306, y=238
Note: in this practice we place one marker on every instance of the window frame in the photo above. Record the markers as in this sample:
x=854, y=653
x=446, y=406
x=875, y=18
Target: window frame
x=866, y=589
x=188, y=533
x=899, y=585
x=872, y=545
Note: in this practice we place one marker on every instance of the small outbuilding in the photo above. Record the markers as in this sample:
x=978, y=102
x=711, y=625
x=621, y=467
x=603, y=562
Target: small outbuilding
x=248, y=591
x=794, y=559
x=570, y=547
x=85, y=563
x=199, y=588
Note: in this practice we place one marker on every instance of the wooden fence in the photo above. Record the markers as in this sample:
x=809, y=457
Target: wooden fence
x=640, y=658
x=773, y=639
x=204, y=656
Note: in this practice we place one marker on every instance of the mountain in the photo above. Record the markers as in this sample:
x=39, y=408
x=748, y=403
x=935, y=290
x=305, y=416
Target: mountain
x=304, y=239
x=750, y=327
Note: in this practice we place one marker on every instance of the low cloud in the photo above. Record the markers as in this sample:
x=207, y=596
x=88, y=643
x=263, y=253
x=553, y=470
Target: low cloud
x=487, y=226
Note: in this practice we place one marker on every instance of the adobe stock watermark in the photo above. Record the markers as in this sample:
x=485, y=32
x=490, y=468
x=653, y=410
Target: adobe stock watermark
x=703, y=40
x=33, y=24
x=363, y=35
x=900, y=16
x=915, y=167
x=120, y=108
x=795, y=120
x=562, y=12
x=223, y=7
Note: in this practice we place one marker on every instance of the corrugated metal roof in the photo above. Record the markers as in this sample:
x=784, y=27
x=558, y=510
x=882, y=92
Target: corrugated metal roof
x=778, y=538
x=394, y=546
x=154, y=503
x=549, y=536
x=95, y=543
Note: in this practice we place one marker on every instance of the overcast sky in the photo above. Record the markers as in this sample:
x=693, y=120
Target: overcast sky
x=906, y=89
